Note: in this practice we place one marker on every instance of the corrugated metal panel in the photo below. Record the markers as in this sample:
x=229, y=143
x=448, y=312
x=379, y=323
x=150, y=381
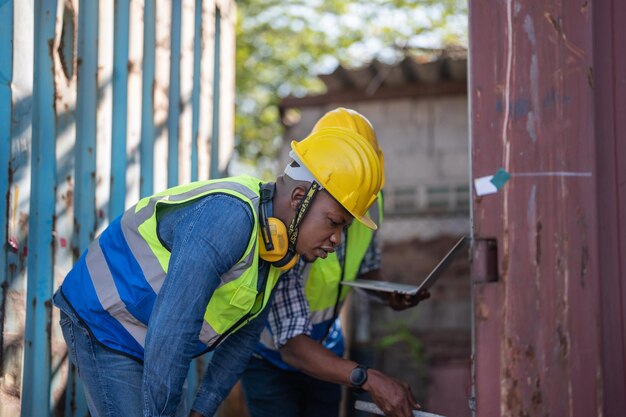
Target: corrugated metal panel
x=90, y=115
x=36, y=366
x=135, y=114
x=446, y=65
x=6, y=107
x=217, y=58
x=195, y=88
x=148, y=93
x=411, y=76
x=226, y=75
x=174, y=102
x=187, y=77
x=121, y=86
x=18, y=168
x=546, y=343
x=609, y=82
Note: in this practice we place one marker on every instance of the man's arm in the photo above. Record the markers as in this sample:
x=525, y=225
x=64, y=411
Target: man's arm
x=200, y=256
x=391, y=395
x=303, y=353
x=226, y=366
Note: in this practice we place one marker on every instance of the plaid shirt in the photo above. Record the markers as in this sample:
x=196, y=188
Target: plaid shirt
x=289, y=313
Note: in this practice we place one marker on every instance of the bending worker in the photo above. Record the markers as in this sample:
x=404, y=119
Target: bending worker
x=298, y=362
x=192, y=269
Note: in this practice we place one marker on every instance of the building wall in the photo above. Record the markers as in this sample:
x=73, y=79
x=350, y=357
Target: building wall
x=100, y=103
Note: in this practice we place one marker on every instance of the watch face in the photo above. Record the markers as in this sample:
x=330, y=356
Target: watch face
x=358, y=376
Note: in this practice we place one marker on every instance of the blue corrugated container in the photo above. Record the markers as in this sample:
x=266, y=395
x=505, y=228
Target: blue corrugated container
x=101, y=103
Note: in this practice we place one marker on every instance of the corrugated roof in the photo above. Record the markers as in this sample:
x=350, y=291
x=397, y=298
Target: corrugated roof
x=433, y=74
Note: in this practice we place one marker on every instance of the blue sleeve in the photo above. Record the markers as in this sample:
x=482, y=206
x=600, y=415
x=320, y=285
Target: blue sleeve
x=227, y=364
x=209, y=237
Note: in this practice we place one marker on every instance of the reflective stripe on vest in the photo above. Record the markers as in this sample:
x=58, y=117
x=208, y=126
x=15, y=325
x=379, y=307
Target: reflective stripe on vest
x=322, y=281
x=121, y=280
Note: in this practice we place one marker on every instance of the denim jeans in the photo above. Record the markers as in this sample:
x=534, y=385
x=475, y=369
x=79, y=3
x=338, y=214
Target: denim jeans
x=273, y=392
x=112, y=381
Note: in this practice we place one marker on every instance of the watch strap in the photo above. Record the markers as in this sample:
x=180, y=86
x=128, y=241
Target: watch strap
x=358, y=377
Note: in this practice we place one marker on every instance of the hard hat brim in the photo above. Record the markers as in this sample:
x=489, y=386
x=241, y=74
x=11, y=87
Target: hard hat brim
x=367, y=222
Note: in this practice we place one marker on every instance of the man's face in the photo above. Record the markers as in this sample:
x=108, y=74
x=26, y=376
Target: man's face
x=322, y=227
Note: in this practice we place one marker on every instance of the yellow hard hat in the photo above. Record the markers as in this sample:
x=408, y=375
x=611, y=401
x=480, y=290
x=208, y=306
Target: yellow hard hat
x=355, y=121
x=346, y=165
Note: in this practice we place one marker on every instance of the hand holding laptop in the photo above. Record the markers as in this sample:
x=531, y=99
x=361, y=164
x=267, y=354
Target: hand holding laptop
x=400, y=300
x=401, y=296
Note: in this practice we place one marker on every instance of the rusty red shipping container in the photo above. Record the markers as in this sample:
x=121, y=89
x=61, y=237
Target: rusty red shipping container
x=548, y=98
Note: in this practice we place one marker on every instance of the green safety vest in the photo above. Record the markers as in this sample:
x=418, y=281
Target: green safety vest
x=238, y=299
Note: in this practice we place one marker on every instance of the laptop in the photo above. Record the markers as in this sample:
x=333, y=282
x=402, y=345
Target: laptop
x=435, y=274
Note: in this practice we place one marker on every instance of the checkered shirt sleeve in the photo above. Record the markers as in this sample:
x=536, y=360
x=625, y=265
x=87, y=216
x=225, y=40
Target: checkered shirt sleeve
x=289, y=313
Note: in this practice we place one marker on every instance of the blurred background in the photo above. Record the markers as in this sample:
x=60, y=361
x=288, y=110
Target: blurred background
x=103, y=102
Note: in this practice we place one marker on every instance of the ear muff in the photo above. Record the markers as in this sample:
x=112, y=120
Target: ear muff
x=273, y=233
x=275, y=242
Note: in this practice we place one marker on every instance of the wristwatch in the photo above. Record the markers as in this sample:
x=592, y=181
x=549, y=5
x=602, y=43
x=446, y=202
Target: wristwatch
x=358, y=377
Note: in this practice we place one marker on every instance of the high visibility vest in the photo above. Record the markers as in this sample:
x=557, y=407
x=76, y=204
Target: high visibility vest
x=324, y=292
x=113, y=286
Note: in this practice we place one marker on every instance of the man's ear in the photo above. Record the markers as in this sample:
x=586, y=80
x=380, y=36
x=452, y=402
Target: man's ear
x=297, y=194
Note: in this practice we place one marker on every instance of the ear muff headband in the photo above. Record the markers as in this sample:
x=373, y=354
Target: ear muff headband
x=266, y=235
x=273, y=233
x=291, y=257
x=303, y=207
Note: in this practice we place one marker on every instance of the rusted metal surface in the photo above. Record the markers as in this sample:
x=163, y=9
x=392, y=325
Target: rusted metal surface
x=6, y=75
x=83, y=102
x=487, y=326
x=41, y=212
x=19, y=209
x=544, y=86
x=610, y=130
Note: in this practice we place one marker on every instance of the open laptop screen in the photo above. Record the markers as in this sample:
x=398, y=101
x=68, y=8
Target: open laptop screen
x=434, y=275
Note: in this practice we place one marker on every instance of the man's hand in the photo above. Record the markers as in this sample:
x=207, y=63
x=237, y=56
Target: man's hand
x=399, y=301
x=392, y=396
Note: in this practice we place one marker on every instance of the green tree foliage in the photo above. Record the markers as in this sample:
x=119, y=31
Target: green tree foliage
x=283, y=44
